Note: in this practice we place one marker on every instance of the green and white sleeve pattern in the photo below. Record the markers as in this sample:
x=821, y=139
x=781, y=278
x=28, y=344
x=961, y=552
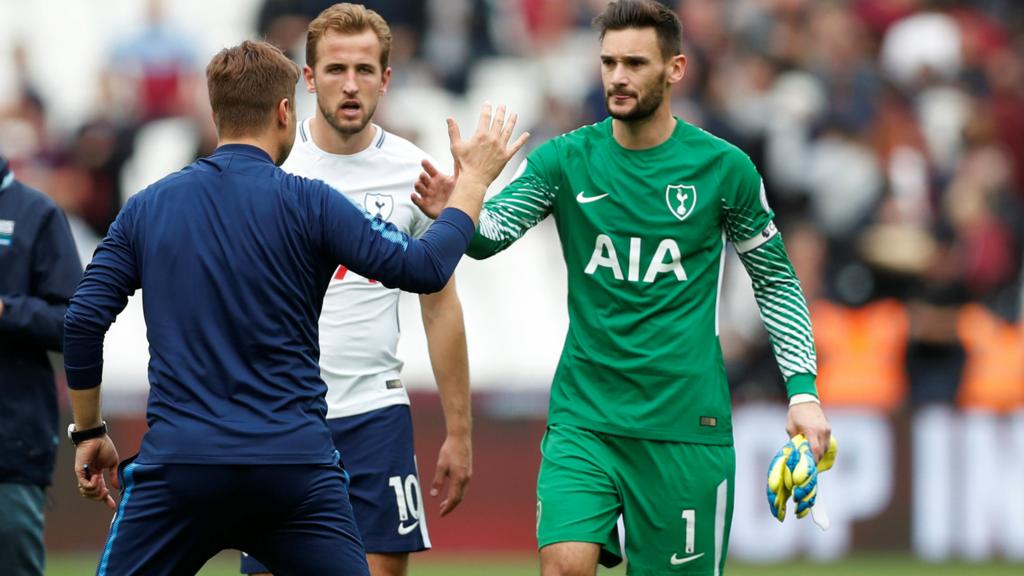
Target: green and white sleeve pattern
x=779, y=298
x=526, y=201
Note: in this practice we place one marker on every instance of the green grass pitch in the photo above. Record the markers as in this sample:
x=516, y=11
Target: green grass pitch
x=863, y=565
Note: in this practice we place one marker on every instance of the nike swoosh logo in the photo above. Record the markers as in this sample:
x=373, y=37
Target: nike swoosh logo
x=676, y=561
x=403, y=529
x=583, y=199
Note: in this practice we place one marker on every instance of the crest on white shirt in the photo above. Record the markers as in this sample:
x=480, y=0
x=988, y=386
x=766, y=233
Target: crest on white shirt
x=379, y=205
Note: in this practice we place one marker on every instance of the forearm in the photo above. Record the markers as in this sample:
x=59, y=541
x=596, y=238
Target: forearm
x=506, y=217
x=468, y=195
x=784, y=313
x=85, y=408
x=35, y=319
x=446, y=344
x=376, y=249
x=452, y=375
x=444, y=243
x=422, y=265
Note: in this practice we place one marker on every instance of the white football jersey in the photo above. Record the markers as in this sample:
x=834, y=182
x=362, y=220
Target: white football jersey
x=359, y=323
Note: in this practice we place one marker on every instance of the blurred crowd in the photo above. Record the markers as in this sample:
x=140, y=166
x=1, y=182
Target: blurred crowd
x=890, y=134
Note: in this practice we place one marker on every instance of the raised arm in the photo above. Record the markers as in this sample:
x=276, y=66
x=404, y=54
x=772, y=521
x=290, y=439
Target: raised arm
x=375, y=249
x=526, y=201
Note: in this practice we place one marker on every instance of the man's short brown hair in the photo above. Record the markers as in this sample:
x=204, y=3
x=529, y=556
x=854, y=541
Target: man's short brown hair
x=348, y=19
x=246, y=83
x=625, y=14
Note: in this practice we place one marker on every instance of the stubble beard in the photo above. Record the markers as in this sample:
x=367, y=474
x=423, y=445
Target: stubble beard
x=646, y=104
x=341, y=129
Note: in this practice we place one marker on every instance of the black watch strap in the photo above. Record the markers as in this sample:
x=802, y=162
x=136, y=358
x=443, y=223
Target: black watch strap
x=78, y=436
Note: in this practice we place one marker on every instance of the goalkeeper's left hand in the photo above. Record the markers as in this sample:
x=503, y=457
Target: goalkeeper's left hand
x=793, y=472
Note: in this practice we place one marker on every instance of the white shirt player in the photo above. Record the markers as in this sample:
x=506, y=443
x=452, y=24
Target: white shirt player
x=359, y=323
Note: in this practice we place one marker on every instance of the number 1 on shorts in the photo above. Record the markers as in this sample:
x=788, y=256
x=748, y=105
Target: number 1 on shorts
x=690, y=517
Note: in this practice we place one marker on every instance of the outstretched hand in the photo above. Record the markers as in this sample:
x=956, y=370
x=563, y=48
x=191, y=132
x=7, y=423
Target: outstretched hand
x=487, y=151
x=433, y=189
x=478, y=161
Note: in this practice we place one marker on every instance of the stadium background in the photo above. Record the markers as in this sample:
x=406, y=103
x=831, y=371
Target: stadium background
x=891, y=138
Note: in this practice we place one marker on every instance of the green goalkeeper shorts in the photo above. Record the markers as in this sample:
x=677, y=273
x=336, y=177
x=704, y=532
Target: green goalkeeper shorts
x=675, y=499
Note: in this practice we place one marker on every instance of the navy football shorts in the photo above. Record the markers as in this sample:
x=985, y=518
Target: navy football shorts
x=378, y=453
x=172, y=518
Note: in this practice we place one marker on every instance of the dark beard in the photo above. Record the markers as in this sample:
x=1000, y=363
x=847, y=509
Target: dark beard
x=645, y=106
x=344, y=130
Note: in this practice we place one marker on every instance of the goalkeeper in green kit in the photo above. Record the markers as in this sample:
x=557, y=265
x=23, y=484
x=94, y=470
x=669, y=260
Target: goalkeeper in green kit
x=640, y=415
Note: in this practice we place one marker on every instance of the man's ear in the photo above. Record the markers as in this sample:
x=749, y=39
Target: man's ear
x=307, y=75
x=283, y=111
x=677, y=69
x=385, y=80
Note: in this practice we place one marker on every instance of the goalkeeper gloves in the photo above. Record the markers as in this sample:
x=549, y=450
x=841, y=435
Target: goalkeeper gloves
x=793, y=473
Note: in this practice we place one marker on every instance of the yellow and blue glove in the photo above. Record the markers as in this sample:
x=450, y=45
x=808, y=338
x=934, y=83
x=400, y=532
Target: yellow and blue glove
x=793, y=472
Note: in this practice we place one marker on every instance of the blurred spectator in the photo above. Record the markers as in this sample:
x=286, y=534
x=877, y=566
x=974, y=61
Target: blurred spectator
x=99, y=151
x=24, y=137
x=983, y=211
x=283, y=23
x=844, y=181
x=458, y=36
x=1005, y=73
x=935, y=354
x=922, y=48
x=159, y=65
x=993, y=378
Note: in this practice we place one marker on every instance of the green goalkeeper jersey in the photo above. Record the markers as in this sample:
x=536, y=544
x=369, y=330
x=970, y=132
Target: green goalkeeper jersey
x=643, y=234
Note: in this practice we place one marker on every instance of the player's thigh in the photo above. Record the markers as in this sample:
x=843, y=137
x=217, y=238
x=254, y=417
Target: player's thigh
x=577, y=498
x=379, y=454
x=319, y=535
x=157, y=528
x=677, y=506
x=388, y=564
x=569, y=559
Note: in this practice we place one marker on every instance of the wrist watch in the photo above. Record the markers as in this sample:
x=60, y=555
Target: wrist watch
x=78, y=436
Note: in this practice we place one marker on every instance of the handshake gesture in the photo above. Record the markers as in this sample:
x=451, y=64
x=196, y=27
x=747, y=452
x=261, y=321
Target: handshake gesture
x=478, y=161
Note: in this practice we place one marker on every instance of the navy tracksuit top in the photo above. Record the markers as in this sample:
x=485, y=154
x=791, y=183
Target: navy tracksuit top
x=233, y=256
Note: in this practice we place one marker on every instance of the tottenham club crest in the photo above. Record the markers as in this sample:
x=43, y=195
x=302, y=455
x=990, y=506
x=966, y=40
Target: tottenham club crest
x=379, y=205
x=682, y=199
